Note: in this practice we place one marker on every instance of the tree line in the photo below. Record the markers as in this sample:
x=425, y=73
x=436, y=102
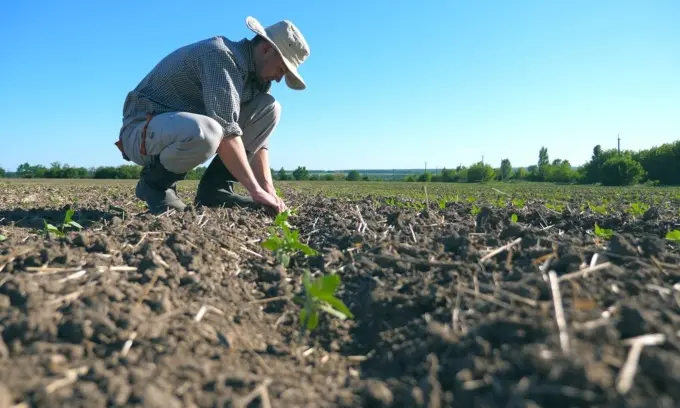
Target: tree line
x=657, y=166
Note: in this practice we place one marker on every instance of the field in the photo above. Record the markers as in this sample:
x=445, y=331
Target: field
x=504, y=295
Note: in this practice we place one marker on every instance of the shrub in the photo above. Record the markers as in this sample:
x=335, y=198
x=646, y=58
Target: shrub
x=621, y=171
x=480, y=172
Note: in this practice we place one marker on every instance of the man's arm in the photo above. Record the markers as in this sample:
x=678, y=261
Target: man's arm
x=222, y=84
x=262, y=171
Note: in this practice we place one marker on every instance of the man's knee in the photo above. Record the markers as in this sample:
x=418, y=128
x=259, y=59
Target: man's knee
x=270, y=107
x=205, y=139
x=198, y=140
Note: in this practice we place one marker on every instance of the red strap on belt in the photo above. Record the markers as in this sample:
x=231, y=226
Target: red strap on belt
x=142, y=146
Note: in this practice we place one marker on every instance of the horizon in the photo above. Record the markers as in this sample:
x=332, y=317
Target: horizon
x=492, y=80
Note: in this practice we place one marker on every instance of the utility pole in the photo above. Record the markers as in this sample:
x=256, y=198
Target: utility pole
x=425, y=167
x=618, y=139
x=482, y=159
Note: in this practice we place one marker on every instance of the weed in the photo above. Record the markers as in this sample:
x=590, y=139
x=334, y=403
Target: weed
x=513, y=218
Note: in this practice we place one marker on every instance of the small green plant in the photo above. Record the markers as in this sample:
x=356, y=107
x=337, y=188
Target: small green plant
x=2, y=237
x=442, y=203
x=319, y=295
x=555, y=207
x=603, y=232
x=513, y=218
x=600, y=209
x=475, y=210
x=68, y=223
x=673, y=236
x=638, y=209
x=284, y=241
x=517, y=202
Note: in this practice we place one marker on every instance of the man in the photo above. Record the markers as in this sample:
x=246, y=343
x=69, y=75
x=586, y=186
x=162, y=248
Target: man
x=211, y=98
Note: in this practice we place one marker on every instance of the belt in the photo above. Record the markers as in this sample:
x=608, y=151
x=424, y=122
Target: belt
x=142, y=145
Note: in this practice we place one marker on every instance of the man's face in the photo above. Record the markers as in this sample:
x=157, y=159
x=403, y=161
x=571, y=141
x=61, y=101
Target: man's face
x=271, y=66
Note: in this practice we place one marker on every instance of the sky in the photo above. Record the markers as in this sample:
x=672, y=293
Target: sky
x=391, y=84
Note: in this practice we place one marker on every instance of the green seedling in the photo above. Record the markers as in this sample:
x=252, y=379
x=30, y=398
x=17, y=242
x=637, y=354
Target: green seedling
x=638, y=209
x=442, y=203
x=319, y=295
x=517, y=202
x=600, y=209
x=513, y=218
x=603, y=232
x=555, y=207
x=475, y=210
x=284, y=241
x=2, y=238
x=68, y=223
x=673, y=236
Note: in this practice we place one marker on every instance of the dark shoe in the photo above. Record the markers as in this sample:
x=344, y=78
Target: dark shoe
x=158, y=187
x=216, y=188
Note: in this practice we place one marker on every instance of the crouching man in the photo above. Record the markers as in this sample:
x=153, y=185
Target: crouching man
x=206, y=99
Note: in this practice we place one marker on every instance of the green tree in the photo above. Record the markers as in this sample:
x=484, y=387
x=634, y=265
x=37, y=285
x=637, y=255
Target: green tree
x=506, y=169
x=353, y=175
x=282, y=175
x=480, y=172
x=425, y=177
x=621, y=170
x=543, y=163
x=2, y=172
x=521, y=174
x=301, y=173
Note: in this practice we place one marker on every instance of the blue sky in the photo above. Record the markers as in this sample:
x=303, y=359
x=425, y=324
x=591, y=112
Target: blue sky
x=391, y=84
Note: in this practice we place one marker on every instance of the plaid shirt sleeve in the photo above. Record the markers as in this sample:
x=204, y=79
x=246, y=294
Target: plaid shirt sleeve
x=222, y=83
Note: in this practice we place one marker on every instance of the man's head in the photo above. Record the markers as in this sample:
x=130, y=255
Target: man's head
x=278, y=52
x=269, y=65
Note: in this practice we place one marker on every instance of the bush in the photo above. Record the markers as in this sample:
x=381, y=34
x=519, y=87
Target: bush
x=621, y=171
x=353, y=176
x=480, y=172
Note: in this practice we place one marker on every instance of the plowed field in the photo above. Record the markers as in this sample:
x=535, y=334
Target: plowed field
x=466, y=297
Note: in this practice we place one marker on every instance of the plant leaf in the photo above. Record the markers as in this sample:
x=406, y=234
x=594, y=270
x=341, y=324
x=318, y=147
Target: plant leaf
x=328, y=309
x=328, y=284
x=272, y=243
x=75, y=224
x=304, y=248
x=69, y=215
x=2, y=237
x=337, y=304
x=513, y=218
x=312, y=319
x=673, y=235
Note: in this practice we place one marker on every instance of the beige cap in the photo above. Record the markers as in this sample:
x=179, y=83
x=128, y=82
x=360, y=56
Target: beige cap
x=290, y=44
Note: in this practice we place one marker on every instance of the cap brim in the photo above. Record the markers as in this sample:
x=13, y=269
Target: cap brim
x=293, y=78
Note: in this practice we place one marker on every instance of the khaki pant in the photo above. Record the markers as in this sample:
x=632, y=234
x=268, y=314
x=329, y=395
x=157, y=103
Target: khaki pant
x=185, y=140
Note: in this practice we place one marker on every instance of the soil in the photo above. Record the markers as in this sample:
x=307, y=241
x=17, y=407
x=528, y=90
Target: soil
x=188, y=310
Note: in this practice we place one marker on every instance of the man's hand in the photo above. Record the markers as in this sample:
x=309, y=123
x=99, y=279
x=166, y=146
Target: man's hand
x=262, y=172
x=233, y=155
x=269, y=200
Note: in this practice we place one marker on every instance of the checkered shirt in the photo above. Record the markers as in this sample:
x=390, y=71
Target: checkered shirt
x=210, y=77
